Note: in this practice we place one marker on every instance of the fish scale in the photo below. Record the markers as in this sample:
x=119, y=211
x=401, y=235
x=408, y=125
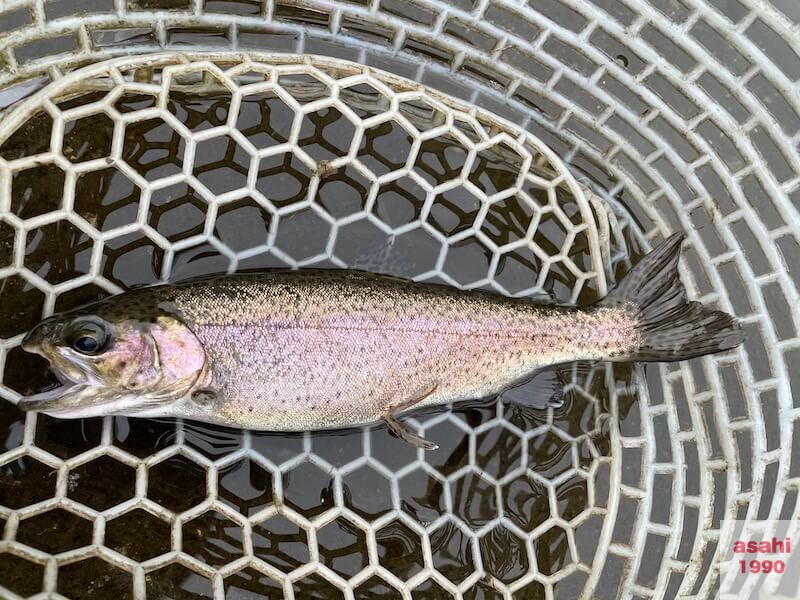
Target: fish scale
x=304, y=351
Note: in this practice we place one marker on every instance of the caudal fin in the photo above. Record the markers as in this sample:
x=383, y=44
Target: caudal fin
x=671, y=328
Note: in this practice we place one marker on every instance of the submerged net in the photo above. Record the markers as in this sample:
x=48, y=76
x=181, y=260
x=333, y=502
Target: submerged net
x=630, y=121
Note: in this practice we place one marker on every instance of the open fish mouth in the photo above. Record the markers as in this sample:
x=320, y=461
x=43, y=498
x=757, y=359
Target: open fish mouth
x=85, y=398
x=78, y=395
x=73, y=400
x=70, y=399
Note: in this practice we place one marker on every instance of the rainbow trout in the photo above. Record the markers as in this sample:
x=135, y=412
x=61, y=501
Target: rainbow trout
x=304, y=350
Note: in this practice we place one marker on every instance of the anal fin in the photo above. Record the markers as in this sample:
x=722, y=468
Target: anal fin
x=543, y=389
x=400, y=429
x=547, y=387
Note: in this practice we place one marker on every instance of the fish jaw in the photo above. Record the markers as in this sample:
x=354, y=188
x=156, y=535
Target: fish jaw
x=71, y=401
x=82, y=400
x=78, y=400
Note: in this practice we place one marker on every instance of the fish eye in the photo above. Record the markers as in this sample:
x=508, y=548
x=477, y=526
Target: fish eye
x=89, y=338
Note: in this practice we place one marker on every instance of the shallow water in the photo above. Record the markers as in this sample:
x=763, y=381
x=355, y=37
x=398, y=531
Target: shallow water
x=455, y=494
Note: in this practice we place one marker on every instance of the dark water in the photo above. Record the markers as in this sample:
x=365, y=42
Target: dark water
x=484, y=468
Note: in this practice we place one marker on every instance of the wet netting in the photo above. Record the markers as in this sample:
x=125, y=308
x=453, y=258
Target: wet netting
x=528, y=149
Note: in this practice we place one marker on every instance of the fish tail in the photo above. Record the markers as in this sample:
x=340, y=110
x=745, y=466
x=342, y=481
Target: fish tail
x=670, y=327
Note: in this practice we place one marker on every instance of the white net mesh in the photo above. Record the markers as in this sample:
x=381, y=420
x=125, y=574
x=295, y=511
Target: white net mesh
x=680, y=115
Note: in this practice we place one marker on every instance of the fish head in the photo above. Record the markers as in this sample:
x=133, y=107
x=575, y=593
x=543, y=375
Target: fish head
x=112, y=363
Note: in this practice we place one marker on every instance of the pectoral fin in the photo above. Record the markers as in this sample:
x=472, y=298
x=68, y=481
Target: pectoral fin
x=204, y=396
x=400, y=429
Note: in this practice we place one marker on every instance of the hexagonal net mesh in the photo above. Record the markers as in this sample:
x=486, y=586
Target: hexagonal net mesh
x=631, y=120
x=229, y=160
